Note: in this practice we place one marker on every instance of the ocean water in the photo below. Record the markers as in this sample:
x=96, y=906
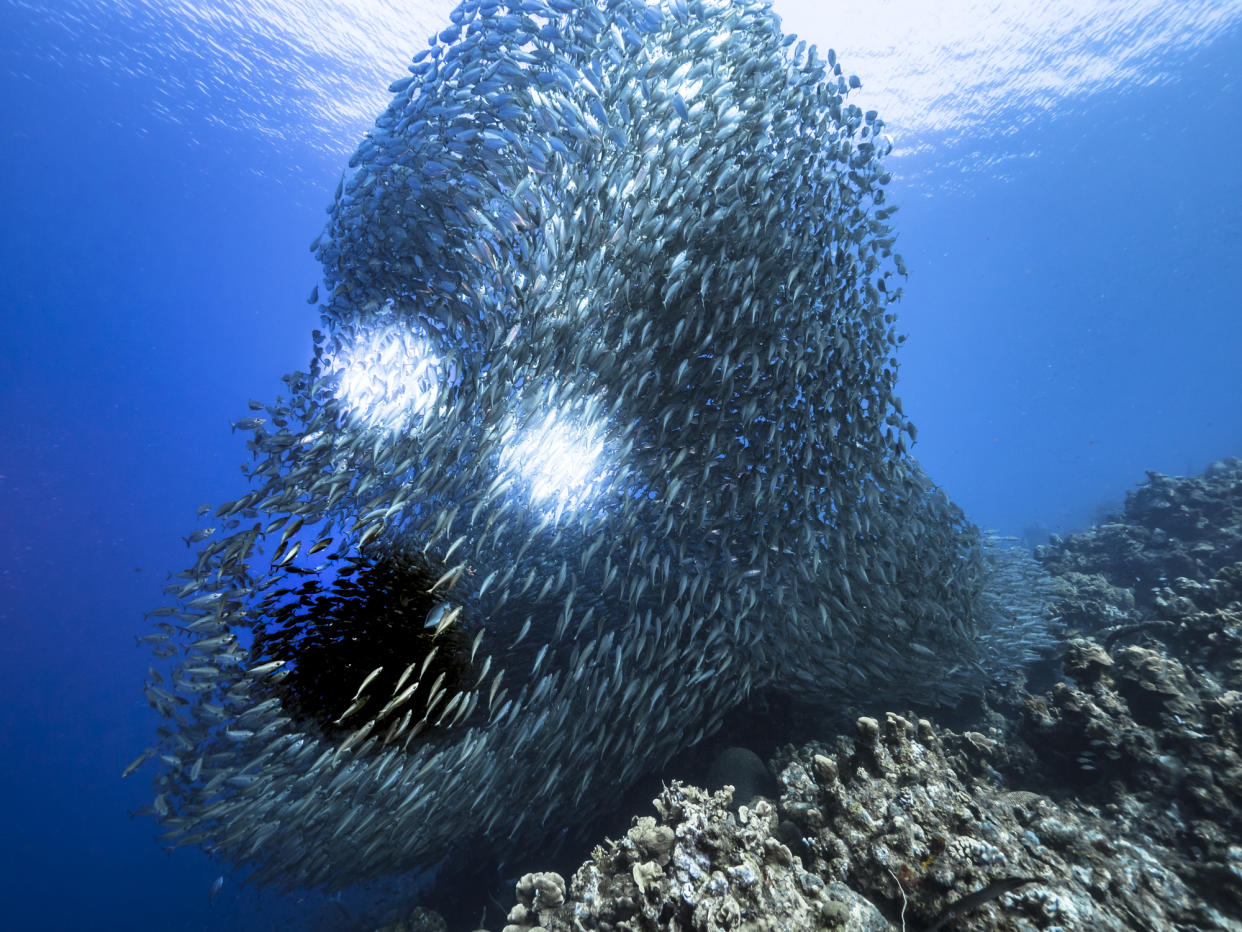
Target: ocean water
x=1071, y=217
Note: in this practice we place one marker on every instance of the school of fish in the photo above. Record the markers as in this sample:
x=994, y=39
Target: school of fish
x=598, y=438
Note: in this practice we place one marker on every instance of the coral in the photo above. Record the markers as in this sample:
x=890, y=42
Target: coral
x=1170, y=527
x=700, y=867
x=1156, y=743
x=1113, y=800
x=881, y=831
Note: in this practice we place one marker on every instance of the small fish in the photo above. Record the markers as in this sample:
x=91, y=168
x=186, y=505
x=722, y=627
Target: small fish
x=214, y=890
x=138, y=762
x=367, y=681
x=499, y=256
x=442, y=616
x=265, y=668
x=974, y=900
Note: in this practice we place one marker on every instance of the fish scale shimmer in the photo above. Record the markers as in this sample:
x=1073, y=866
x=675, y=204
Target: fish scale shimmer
x=599, y=437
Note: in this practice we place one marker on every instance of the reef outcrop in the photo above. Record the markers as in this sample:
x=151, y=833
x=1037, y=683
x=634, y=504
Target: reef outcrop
x=1112, y=800
x=1170, y=527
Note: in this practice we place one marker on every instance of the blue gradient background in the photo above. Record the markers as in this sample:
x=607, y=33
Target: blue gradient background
x=1075, y=257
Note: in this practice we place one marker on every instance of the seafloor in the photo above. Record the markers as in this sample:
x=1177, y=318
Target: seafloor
x=1110, y=800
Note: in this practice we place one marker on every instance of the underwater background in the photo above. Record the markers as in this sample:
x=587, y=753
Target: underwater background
x=1071, y=218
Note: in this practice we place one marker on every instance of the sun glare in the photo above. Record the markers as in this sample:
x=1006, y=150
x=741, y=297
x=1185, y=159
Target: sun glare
x=558, y=454
x=389, y=380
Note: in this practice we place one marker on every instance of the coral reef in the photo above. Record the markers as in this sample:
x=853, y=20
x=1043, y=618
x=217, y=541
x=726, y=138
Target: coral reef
x=879, y=831
x=1151, y=734
x=698, y=866
x=1170, y=527
x=1111, y=801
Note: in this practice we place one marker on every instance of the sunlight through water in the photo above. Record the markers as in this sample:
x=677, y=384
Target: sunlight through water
x=310, y=77
x=390, y=379
x=558, y=454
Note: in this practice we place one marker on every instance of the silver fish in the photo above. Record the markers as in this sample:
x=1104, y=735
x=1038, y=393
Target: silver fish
x=604, y=353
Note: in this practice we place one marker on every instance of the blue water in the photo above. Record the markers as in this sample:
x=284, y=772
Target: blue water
x=1075, y=256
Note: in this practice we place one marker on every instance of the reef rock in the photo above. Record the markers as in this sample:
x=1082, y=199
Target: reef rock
x=883, y=831
x=1111, y=801
x=700, y=866
x=1170, y=527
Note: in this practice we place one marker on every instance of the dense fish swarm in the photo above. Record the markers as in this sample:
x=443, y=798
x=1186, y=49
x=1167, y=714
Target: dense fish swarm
x=599, y=436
